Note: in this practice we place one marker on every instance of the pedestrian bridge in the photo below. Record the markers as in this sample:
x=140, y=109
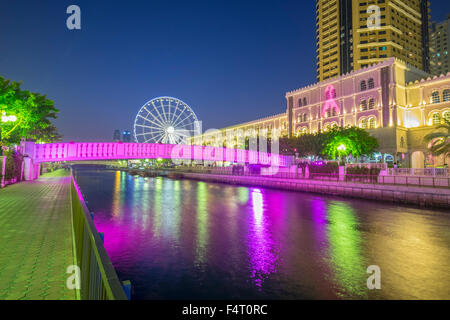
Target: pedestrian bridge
x=84, y=151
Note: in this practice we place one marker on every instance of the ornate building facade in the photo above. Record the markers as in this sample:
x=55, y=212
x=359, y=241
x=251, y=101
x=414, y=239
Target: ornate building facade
x=396, y=102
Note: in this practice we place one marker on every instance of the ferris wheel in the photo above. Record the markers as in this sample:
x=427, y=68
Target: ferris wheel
x=165, y=120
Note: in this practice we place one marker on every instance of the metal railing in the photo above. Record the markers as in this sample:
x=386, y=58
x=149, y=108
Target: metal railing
x=434, y=172
x=419, y=181
x=98, y=278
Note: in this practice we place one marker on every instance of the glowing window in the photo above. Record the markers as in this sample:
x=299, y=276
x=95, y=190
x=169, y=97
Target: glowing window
x=436, y=118
x=446, y=95
x=363, y=123
x=371, y=103
x=435, y=97
x=447, y=116
x=372, y=123
x=363, y=85
x=363, y=105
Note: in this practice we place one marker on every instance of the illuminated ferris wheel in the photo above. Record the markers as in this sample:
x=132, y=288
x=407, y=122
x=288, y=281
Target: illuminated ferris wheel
x=165, y=120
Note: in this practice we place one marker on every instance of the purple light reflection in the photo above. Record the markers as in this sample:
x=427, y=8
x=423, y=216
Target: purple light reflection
x=261, y=245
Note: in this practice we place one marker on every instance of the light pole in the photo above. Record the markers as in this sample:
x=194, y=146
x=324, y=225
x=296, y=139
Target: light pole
x=5, y=119
x=341, y=150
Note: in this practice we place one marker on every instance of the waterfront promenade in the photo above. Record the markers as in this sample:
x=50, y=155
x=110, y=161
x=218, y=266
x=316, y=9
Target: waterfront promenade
x=438, y=197
x=36, y=245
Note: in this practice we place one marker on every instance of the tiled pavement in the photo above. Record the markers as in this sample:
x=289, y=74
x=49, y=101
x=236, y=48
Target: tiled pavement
x=36, y=239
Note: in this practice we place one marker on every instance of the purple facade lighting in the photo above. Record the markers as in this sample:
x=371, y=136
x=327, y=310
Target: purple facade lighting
x=330, y=102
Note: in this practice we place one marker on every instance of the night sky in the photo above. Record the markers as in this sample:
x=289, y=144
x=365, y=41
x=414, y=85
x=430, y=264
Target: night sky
x=231, y=61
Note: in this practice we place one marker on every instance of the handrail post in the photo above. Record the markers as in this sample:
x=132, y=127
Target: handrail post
x=126, y=285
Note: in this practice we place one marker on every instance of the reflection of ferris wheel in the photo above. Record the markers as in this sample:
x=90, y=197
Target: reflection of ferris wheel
x=165, y=120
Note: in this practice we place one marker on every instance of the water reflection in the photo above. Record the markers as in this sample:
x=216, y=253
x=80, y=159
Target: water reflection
x=202, y=224
x=188, y=239
x=261, y=245
x=345, y=249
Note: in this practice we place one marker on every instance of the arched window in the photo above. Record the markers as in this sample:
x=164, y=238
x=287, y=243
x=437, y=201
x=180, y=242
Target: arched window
x=363, y=105
x=435, y=97
x=333, y=113
x=304, y=130
x=299, y=118
x=371, y=83
x=446, y=95
x=305, y=102
x=372, y=123
x=363, y=85
x=305, y=117
x=363, y=123
x=436, y=118
x=447, y=116
x=299, y=102
x=371, y=103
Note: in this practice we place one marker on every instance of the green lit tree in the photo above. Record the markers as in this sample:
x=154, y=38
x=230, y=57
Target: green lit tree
x=33, y=111
x=342, y=142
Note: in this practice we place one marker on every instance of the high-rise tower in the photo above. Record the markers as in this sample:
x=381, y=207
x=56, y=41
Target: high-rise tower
x=439, y=47
x=353, y=34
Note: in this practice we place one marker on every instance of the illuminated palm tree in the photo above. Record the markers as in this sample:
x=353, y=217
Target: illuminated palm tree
x=439, y=141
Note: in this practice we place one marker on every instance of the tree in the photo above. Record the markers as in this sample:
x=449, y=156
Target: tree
x=33, y=111
x=439, y=141
x=344, y=141
x=311, y=145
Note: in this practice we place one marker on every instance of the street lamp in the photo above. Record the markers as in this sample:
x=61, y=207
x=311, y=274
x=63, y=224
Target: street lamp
x=341, y=150
x=5, y=119
x=342, y=147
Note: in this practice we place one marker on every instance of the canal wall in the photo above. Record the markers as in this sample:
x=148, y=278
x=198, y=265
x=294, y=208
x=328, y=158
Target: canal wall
x=420, y=196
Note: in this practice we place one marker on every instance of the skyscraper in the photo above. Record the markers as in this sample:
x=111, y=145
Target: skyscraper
x=353, y=34
x=126, y=137
x=439, y=47
x=116, y=136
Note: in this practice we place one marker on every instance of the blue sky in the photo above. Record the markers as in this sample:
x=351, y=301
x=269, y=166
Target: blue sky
x=231, y=61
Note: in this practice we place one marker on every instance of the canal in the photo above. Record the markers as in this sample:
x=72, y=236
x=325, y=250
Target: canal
x=185, y=239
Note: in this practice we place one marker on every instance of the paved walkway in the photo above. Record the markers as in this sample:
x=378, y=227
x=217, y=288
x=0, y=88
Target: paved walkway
x=36, y=239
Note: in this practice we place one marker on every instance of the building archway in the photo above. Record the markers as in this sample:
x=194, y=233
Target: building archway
x=417, y=160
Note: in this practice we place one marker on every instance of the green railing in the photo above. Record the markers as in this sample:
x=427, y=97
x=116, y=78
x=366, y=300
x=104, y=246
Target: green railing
x=98, y=278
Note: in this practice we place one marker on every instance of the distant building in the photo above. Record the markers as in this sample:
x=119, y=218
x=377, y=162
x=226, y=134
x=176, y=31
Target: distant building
x=396, y=102
x=126, y=137
x=439, y=45
x=345, y=43
x=117, y=136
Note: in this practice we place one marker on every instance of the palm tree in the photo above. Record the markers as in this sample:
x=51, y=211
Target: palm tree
x=439, y=141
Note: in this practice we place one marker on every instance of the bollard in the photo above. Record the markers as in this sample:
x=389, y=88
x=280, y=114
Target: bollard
x=126, y=285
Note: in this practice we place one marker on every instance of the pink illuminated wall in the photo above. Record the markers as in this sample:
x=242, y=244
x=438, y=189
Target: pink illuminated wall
x=330, y=102
x=115, y=151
